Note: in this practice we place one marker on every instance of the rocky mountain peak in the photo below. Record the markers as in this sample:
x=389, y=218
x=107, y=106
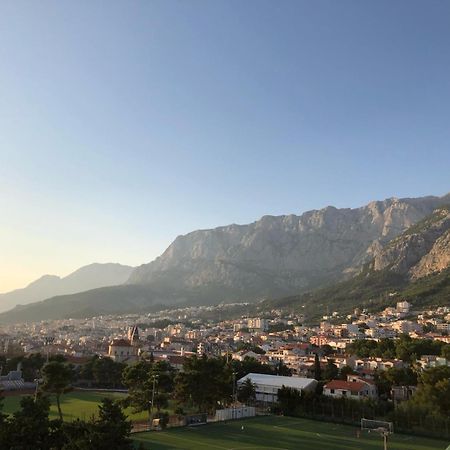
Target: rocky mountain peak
x=277, y=255
x=421, y=250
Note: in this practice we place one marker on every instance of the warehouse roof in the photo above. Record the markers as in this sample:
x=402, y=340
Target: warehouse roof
x=279, y=381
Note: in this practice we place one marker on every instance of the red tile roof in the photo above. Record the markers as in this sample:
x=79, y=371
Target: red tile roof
x=348, y=385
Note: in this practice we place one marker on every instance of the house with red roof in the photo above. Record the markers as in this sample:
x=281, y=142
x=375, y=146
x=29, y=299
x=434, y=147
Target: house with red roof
x=354, y=387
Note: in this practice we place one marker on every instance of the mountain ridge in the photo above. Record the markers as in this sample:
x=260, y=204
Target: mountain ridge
x=86, y=277
x=287, y=248
x=414, y=266
x=273, y=257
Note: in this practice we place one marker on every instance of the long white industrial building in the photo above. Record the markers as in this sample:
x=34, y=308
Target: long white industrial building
x=267, y=386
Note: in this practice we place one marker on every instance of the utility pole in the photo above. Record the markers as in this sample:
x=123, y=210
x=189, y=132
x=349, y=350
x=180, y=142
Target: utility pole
x=155, y=377
x=47, y=341
x=36, y=389
x=234, y=395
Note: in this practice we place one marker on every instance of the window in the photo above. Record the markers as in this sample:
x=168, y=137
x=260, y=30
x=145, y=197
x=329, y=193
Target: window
x=332, y=391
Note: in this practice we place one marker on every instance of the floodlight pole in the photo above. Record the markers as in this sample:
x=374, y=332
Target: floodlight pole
x=234, y=394
x=153, y=391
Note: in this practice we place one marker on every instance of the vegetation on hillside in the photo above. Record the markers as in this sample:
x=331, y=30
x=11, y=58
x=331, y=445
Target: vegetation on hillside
x=374, y=290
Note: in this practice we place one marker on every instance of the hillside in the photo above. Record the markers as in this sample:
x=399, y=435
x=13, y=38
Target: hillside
x=87, y=277
x=376, y=291
x=271, y=258
x=421, y=250
x=122, y=299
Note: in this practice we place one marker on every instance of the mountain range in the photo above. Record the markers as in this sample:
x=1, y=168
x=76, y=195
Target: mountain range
x=414, y=266
x=275, y=257
x=87, y=277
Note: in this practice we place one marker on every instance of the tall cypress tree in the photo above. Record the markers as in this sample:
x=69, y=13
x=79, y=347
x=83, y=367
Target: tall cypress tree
x=317, y=369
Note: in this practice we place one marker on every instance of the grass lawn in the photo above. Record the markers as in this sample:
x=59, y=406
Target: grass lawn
x=76, y=404
x=277, y=433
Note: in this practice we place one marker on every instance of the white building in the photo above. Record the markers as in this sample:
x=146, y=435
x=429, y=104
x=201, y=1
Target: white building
x=257, y=324
x=267, y=386
x=403, y=307
x=121, y=350
x=354, y=387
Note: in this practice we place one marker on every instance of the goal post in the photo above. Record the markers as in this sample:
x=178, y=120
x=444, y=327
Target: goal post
x=379, y=426
x=384, y=429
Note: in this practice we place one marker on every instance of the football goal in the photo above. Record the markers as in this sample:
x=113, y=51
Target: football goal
x=384, y=429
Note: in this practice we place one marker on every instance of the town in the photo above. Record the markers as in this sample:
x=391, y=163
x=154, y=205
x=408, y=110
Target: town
x=276, y=338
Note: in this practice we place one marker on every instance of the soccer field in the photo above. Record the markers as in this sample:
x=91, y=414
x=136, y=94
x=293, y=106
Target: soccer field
x=75, y=405
x=277, y=433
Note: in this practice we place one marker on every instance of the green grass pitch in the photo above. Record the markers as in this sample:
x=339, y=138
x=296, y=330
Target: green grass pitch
x=277, y=433
x=76, y=404
x=262, y=433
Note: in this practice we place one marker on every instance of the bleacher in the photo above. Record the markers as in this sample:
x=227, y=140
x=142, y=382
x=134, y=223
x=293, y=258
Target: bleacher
x=13, y=381
x=12, y=385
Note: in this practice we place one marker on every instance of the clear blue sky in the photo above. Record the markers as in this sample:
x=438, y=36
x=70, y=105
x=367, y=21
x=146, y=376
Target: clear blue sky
x=126, y=123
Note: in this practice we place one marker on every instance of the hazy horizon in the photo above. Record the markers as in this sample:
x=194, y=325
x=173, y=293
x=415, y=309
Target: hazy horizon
x=123, y=126
x=145, y=262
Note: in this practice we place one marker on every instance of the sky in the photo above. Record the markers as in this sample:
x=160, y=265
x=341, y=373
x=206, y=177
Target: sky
x=125, y=124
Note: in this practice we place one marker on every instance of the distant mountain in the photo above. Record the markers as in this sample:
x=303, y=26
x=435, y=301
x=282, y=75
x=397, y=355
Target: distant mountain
x=414, y=266
x=284, y=254
x=87, y=277
x=272, y=257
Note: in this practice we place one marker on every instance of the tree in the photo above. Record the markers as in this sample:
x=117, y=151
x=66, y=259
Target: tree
x=109, y=431
x=140, y=386
x=445, y=352
x=249, y=347
x=30, y=427
x=112, y=428
x=247, y=392
x=2, y=416
x=433, y=392
x=79, y=435
x=56, y=380
x=204, y=382
x=282, y=370
x=327, y=349
x=345, y=371
x=289, y=400
x=85, y=372
x=331, y=371
x=431, y=376
x=3, y=424
x=148, y=382
x=58, y=358
x=107, y=373
x=250, y=365
x=317, y=369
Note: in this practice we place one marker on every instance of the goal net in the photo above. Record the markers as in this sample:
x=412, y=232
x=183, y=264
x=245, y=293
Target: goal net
x=379, y=426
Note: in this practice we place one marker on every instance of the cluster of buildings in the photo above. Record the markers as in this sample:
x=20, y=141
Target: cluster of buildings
x=271, y=338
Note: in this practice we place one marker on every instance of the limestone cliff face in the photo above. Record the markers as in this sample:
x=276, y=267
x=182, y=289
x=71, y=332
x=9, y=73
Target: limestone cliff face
x=423, y=249
x=437, y=259
x=283, y=254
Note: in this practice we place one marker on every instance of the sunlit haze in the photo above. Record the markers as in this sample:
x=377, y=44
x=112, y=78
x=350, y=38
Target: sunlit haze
x=125, y=124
